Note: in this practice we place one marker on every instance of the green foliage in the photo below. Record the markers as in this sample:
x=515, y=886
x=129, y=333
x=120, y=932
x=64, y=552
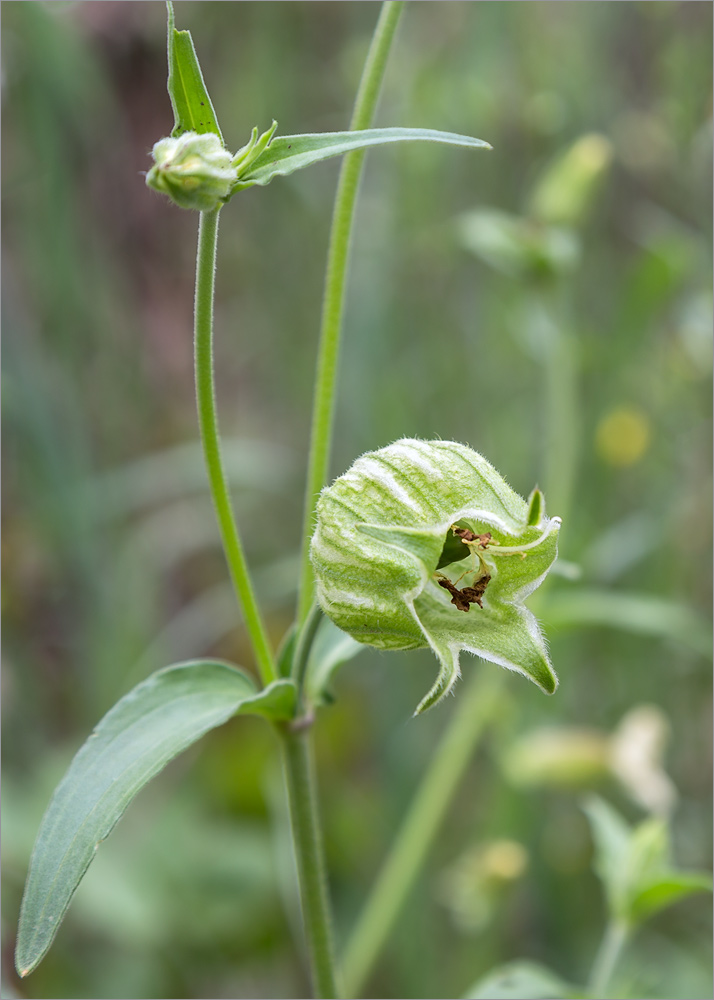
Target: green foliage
x=289, y=153
x=191, y=103
x=634, y=865
x=640, y=613
x=107, y=577
x=380, y=536
x=519, y=248
x=196, y=171
x=150, y=726
x=199, y=174
x=522, y=981
x=564, y=192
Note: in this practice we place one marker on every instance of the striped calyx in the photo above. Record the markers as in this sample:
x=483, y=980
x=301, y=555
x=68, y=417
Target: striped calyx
x=423, y=544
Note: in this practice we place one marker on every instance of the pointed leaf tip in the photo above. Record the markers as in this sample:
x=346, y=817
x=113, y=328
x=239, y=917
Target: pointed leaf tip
x=190, y=100
x=145, y=730
x=289, y=153
x=536, y=507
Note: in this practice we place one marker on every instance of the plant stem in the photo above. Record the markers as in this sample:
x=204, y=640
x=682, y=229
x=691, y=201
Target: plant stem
x=309, y=855
x=613, y=941
x=210, y=438
x=303, y=646
x=420, y=827
x=335, y=282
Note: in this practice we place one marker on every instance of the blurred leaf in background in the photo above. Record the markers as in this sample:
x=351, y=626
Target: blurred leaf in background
x=111, y=562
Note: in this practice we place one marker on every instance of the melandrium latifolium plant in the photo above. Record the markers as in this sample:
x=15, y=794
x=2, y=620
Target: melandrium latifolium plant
x=419, y=544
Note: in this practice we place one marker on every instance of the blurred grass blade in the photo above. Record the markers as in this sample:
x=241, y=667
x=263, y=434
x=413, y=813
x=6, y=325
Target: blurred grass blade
x=161, y=477
x=521, y=981
x=289, y=153
x=146, y=729
x=643, y=613
x=193, y=109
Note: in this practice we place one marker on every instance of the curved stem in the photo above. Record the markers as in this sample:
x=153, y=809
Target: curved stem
x=309, y=856
x=613, y=941
x=210, y=439
x=334, y=295
x=420, y=827
x=303, y=646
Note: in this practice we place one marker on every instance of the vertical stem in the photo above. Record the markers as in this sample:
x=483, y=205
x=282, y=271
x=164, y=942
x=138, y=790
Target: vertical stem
x=613, y=941
x=335, y=280
x=420, y=827
x=309, y=855
x=210, y=438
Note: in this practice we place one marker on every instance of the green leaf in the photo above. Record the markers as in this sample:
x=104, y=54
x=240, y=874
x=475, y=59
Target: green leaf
x=566, y=189
x=521, y=981
x=193, y=110
x=380, y=537
x=146, y=729
x=289, y=153
x=634, y=865
x=516, y=246
x=667, y=888
x=611, y=836
x=332, y=647
x=536, y=506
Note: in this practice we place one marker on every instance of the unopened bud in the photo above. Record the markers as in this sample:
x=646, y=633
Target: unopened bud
x=566, y=189
x=565, y=757
x=194, y=170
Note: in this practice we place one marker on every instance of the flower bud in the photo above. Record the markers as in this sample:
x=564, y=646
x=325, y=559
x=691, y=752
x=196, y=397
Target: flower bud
x=566, y=189
x=636, y=749
x=474, y=885
x=424, y=544
x=565, y=757
x=194, y=170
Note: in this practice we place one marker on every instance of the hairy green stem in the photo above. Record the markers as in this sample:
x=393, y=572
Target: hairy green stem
x=334, y=294
x=210, y=438
x=309, y=856
x=420, y=827
x=611, y=946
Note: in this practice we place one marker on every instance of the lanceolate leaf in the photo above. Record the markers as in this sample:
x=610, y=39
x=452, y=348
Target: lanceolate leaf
x=193, y=110
x=289, y=153
x=144, y=731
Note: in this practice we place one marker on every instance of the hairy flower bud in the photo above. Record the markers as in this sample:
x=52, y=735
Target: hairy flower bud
x=423, y=544
x=194, y=170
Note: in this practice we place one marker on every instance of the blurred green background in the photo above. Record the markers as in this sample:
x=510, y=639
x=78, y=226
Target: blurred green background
x=570, y=343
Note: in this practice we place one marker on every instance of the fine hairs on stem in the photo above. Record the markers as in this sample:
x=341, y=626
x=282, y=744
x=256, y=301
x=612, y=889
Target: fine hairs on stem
x=297, y=751
x=211, y=441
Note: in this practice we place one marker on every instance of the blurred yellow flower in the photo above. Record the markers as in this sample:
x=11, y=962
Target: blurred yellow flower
x=623, y=436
